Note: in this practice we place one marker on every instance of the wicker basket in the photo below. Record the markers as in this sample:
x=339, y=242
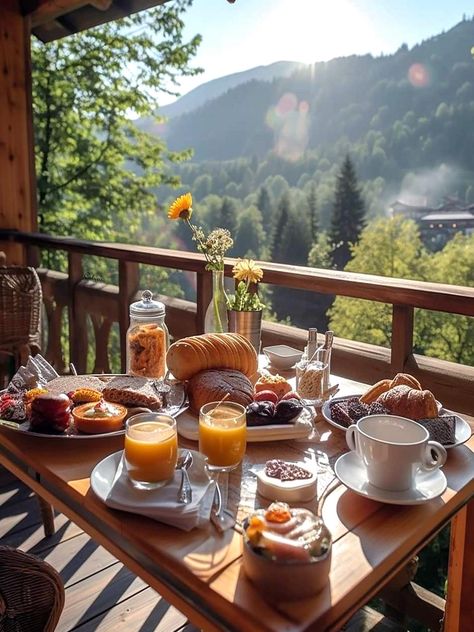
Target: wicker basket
x=31, y=593
x=20, y=307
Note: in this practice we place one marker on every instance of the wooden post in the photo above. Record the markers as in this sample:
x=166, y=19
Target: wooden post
x=203, y=298
x=78, y=340
x=18, y=187
x=459, y=603
x=129, y=278
x=402, y=337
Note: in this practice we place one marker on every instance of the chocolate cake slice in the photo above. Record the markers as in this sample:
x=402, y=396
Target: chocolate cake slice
x=441, y=429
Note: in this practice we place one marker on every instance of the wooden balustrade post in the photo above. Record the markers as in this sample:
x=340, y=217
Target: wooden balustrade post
x=402, y=337
x=459, y=602
x=78, y=339
x=129, y=278
x=203, y=298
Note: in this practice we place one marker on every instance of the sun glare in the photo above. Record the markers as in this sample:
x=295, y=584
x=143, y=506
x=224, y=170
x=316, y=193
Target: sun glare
x=315, y=30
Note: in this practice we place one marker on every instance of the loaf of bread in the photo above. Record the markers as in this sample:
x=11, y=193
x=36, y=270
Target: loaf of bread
x=409, y=402
x=372, y=394
x=214, y=384
x=189, y=356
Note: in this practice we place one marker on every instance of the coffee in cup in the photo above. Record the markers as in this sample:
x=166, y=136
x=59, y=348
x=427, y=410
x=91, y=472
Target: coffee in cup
x=393, y=450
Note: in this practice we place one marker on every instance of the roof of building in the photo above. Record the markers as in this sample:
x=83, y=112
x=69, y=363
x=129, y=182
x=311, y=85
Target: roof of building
x=448, y=217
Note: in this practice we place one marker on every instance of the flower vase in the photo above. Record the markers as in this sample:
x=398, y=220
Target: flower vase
x=215, y=319
x=247, y=324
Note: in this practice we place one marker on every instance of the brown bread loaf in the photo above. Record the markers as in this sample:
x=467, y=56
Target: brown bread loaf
x=409, y=402
x=189, y=356
x=212, y=385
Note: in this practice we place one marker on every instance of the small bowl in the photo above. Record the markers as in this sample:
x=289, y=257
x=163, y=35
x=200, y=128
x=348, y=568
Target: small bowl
x=282, y=356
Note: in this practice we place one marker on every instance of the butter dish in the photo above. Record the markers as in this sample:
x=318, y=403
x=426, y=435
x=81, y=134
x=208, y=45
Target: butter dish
x=287, y=484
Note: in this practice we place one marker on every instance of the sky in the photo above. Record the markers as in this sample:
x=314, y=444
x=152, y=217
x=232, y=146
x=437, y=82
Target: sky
x=250, y=33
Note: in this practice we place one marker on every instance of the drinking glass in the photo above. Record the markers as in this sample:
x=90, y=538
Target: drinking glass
x=222, y=434
x=151, y=449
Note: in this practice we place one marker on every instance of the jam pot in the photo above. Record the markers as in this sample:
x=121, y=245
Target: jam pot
x=147, y=338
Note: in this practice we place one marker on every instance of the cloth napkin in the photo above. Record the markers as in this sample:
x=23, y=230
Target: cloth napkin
x=161, y=504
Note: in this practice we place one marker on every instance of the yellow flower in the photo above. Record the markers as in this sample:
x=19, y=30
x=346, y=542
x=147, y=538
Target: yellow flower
x=182, y=207
x=247, y=270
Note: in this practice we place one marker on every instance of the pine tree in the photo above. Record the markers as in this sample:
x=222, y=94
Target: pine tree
x=228, y=215
x=347, y=219
x=264, y=205
x=283, y=211
x=313, y=212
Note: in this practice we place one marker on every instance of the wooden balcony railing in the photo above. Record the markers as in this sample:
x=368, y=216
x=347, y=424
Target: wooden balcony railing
x=108, y=304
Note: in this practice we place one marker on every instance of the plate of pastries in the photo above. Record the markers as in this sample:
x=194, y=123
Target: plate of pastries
x=403, y=396
x=80, y=406
x=214, y=366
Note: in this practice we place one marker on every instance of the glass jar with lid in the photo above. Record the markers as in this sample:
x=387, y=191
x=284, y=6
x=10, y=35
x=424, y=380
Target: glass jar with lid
x=147, y=338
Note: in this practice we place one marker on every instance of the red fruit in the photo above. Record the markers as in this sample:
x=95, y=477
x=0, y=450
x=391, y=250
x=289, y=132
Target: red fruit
x=50, y=404
x=266, y=396
x=291, y=395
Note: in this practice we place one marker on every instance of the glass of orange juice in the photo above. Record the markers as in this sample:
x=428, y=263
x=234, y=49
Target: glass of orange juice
x=222, y=434
x=151, y=449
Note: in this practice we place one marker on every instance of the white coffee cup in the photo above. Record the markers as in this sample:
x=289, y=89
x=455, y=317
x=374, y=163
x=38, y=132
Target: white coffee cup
x=393, y=450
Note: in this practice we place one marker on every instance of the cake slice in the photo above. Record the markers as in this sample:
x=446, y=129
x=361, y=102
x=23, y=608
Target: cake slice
x=441, y=429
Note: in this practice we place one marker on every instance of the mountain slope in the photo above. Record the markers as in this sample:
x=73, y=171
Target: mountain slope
x=215, y=88
x=344, y=98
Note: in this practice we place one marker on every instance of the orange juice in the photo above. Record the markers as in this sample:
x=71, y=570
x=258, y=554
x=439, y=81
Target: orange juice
x=223, y=434
x=151, y=450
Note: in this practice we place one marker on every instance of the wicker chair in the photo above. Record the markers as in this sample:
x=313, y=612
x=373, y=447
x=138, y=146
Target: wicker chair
x=20, y=331
x=20, y=312
x=31, y=593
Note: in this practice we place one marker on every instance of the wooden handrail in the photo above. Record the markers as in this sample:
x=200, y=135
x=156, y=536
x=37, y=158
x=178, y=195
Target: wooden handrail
x=438, y=297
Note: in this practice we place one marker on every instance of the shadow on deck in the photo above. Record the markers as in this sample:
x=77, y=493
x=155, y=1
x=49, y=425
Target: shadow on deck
x=101, y=594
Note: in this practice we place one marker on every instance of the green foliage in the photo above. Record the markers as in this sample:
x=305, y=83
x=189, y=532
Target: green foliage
x=95, y=167
x=243, y=300
x=392, y=247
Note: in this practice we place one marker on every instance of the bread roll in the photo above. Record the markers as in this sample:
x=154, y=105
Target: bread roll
x=189, y=356
x=212, y=385
x=409, y=402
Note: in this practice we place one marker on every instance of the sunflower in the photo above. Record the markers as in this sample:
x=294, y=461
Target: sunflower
x=247, y=270
x=182, y=207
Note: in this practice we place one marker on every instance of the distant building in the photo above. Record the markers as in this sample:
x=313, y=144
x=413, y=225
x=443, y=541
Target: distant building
x=439, y=225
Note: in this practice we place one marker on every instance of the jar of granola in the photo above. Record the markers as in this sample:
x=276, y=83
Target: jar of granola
x=310, y=379
x=147, y=338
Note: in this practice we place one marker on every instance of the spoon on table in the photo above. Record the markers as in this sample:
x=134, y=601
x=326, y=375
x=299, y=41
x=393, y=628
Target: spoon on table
x=185, y=492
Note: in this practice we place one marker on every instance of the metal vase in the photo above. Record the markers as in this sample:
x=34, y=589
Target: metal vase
x=247, y=324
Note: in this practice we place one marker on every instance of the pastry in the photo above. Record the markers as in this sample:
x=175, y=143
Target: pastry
x=405, y=378
x=409, y=402
x=189, y=356
x=375, y=391
x=132, y=391
x=84, y=395
x=50, y=413
x=214, y=384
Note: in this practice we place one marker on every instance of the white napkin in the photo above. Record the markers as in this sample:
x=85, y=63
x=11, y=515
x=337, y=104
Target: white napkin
x=161, y=504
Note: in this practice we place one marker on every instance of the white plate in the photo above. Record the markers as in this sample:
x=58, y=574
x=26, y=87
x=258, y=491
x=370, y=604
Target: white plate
x=350, y=470
x=189, y=429
x=103, y=474
x=462, y=431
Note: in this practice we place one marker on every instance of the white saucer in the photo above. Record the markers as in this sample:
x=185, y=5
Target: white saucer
x=350, y=470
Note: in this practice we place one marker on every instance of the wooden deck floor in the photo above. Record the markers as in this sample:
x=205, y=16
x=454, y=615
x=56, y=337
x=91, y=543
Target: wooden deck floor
x=101, y=594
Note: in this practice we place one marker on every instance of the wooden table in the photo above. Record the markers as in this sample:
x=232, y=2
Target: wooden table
x=201, y=572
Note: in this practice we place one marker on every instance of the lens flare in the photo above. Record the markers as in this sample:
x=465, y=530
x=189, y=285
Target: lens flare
x=418, y=76
x=289, y=121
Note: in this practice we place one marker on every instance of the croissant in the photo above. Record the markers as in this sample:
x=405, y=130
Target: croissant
x=405, y=378
x=383, y=386
x=409, y=402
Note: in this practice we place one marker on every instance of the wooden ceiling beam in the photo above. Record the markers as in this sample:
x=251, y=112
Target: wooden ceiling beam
x=47, y=10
